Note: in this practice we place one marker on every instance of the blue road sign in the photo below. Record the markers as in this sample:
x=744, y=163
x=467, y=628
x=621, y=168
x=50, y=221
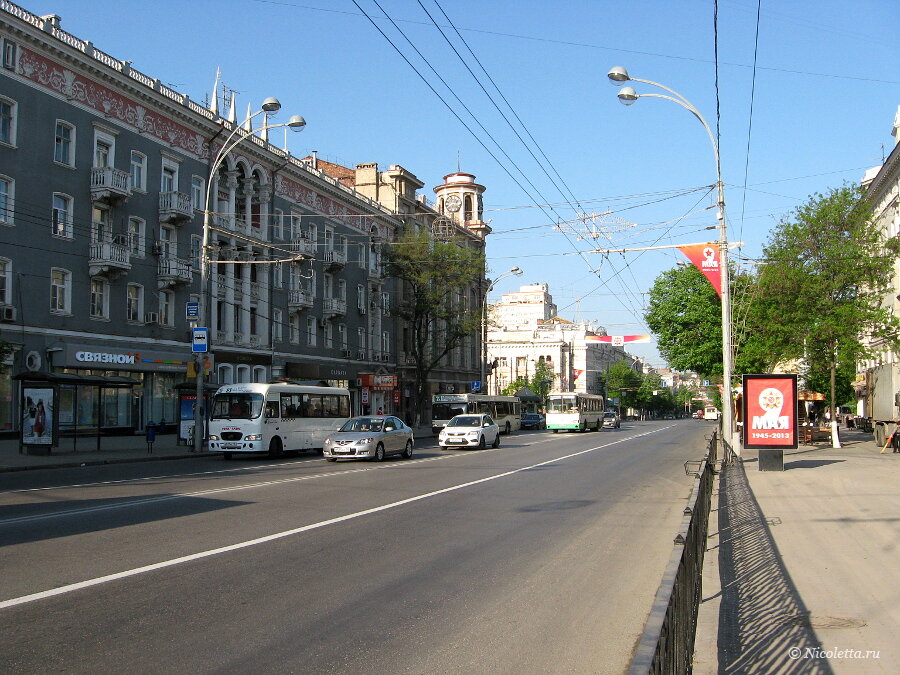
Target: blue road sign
x=476, y=385
x=200, y=340
x=192, y=310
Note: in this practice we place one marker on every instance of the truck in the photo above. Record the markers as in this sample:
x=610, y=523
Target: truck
x=882, y=401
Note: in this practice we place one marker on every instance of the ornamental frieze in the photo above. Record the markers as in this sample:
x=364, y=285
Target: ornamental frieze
x=55, y=77
x=299, y=194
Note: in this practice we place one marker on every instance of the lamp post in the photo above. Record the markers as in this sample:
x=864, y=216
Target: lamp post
x=296, y=122
x=627, y=95
x=514, y=271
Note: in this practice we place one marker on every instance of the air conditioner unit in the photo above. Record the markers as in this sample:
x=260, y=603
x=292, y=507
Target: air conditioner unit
x=151, y=317
x=7, y=313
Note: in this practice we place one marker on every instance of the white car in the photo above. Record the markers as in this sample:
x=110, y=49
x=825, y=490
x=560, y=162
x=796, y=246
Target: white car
x=369, y=437
x=466, y=431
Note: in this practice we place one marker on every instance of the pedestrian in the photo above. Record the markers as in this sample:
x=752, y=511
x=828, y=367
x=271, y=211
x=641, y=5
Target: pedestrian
x=380, y=410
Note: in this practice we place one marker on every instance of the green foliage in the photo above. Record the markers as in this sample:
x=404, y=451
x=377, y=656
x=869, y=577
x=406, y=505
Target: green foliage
x=685, y=315
x=5, y=350
x=623, y=383
x=435, y=304
x=540, y=383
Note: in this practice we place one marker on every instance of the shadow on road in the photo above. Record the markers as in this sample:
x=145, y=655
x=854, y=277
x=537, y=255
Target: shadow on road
x=763, y=623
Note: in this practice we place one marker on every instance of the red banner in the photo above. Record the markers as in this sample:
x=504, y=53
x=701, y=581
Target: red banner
x=618, y=340
x=769, y=410
x=705, y=257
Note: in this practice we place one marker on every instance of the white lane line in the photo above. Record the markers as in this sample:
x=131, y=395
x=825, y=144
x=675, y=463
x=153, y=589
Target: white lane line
x=69, y=588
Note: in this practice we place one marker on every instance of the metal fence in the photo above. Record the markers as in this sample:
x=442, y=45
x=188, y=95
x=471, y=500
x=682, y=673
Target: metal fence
x=667, y=645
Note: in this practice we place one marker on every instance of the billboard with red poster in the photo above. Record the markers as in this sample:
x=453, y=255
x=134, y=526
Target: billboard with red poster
x=769, y=409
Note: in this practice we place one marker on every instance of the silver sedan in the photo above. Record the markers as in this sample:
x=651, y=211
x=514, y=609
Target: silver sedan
x=370, y=437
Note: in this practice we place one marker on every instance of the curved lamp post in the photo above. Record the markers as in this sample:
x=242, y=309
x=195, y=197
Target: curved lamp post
x=627, y=95
x=297, y=123
x=512, y=272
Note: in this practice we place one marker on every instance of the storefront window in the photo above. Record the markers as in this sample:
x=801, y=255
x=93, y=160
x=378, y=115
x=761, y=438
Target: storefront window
x=6, y=398
x=164, y=403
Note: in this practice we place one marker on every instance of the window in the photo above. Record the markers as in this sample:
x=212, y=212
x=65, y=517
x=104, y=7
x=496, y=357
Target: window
x=135, y=235
x=64, y=145
x=342, y=289
x=329, y=239
x=386, y=303
x=328, y=286
x=277, y=318
x=361, y=337
x=5, y=281
x=296, y=226
x=342, y=245
x=277, y=276
x=99, y=299
x=166, y=308
x=385, y=344
x=278, y=224
x=196, y=244
x=60, y=291
x=100, y=229
x=329, y=336
x=138, y=173
x=9, y=54
x=295, y=329
x=169, y=180
x=104, y=150
x=361, y=297
x=168, y=243
x=311, y=331
x=62, y=216
x=134, y=303
x=8, y=109
x=342, y=336
x=6, y=200
x=197, y=193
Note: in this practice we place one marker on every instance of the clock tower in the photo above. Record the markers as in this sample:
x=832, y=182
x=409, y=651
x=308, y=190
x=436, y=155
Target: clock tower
x=459, y=199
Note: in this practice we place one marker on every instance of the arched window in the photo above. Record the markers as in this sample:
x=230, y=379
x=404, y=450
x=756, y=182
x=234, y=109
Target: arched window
x=226, y=374
x=467, y=208
x=243, y=374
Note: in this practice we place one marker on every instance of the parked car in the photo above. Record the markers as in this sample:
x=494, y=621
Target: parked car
x=370, y=437
x=611, y=419
x=533, y=421
x=467, y=431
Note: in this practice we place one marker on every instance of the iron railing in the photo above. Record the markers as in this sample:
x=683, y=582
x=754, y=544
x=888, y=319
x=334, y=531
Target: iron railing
x=667, y=644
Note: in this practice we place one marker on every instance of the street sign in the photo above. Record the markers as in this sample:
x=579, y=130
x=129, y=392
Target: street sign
x=476, y=386
x=192, y=312
x=200, y=340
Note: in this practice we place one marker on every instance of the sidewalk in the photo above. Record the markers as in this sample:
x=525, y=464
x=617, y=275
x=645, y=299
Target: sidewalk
x=119, y=449
x=802, y=572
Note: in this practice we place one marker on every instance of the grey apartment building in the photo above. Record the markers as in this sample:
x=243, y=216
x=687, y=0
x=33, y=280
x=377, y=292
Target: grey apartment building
x=104, y=174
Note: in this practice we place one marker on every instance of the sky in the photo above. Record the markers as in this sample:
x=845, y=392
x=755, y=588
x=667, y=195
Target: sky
x=800, y=95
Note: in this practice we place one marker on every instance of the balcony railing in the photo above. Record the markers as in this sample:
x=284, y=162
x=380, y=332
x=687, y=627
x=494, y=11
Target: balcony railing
x=175, y=207
x=108, y=259
x=304, y=246
x=173, y=271
x=109, y=185
x=299, y=298
x=334, y=307
x=335, y=258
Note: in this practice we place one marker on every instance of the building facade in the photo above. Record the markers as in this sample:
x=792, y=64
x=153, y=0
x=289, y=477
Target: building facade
x=104, y=173
x=524, y=331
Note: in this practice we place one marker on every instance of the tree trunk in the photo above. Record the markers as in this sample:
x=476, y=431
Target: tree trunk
x=835, y=438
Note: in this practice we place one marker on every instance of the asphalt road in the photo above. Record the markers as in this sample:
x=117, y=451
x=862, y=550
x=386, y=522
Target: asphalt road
x=542, y=556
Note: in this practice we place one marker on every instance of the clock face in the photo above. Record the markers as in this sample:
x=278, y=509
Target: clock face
x=453, y=203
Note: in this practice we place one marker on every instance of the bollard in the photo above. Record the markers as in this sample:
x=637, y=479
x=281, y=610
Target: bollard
x=151, y=436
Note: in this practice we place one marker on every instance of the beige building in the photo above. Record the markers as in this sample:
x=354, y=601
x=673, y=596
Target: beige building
x=524, y=331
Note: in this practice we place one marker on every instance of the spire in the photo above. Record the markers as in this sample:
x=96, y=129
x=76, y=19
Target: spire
x=232, y=115
x=248, y=123
x=214, y=101
x=264, y=129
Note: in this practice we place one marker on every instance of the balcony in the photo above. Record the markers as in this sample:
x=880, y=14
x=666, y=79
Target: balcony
x=374, y=273
x=175, y=207
x=109, y=259
x=299, y=298
x=174, y=271
x=332, y=307
x=304, y=246
x=335, y=259
x=109, y=185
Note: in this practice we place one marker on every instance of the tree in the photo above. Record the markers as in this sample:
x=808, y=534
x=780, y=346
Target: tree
x=622, y=383
x=826, y=273
x=435, y=303
x=540, y=383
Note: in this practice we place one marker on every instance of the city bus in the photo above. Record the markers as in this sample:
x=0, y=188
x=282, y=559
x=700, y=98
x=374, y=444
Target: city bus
x=505, y=410
x=274, y=418
x=573, y=410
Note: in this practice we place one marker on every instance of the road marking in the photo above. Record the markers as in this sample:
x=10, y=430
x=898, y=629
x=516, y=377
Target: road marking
x=88, y=583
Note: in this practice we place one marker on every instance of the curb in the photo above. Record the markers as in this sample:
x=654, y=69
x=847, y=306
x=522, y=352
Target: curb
x=101, y=462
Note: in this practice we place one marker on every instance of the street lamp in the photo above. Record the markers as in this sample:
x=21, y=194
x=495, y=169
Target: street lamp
x=296, y=122
x=513, y=271
x=627, y=95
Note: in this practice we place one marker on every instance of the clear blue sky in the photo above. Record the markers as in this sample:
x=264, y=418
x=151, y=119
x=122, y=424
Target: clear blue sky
x=827, y=88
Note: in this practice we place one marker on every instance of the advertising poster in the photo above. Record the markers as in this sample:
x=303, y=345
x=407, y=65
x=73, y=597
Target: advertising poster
x=38, y=416
x=770, y=412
